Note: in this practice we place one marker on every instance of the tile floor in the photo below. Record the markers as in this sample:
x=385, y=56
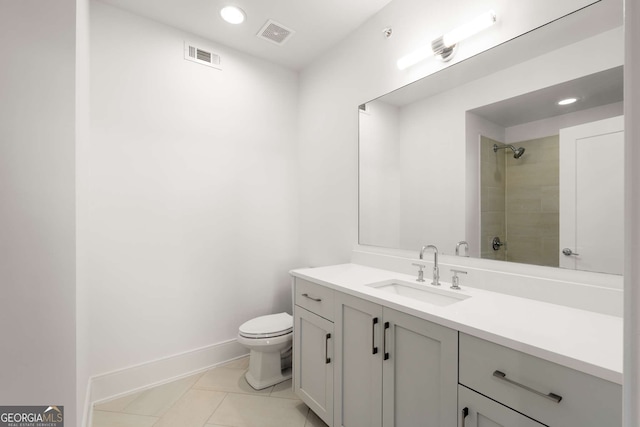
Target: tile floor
x=215, y=398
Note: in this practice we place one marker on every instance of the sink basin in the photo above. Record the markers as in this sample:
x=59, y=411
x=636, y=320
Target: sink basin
x=420, y=291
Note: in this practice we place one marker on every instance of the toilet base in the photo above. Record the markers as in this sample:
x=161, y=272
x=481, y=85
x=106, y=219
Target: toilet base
x=265, y=370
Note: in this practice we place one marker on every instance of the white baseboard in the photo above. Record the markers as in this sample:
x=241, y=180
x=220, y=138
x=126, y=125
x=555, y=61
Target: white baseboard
x=86, y=419
x=150, y=374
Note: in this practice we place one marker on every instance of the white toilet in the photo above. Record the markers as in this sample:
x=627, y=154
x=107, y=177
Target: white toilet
x=270, y=339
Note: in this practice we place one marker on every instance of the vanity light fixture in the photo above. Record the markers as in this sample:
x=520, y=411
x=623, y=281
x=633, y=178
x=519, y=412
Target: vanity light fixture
x=445, y=45
x=567, y=101
x=233, y=14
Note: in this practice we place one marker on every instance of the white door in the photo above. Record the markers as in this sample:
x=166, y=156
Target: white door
x=592, y=196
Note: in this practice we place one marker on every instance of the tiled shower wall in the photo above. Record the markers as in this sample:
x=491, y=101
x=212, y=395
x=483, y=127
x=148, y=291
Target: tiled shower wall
x=532, y=210
x=492, y=199
x=520, y=201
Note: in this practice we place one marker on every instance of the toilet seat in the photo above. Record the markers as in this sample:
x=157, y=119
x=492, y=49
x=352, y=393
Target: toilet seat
x=270, y=326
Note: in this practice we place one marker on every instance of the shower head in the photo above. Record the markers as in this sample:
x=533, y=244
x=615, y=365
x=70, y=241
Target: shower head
x=517, y=152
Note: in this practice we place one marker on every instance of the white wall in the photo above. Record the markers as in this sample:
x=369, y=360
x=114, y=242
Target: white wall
x=83, y=143
x=37, y=190
x=552, y=126
x=631, y=390
x=362, y=68
x=379, y=175
x=191, y=222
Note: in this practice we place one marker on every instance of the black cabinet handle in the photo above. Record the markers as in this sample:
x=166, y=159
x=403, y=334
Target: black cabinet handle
x=312, y=298
x=551, y=396
x=326, y=349
x=386, y=328
x=465, y=412
x=374, y=348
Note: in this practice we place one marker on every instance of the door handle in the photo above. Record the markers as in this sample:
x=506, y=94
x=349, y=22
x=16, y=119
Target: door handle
x=569, y=252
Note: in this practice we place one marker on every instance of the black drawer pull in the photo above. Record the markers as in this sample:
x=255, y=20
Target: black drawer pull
x=312, y=298
x=551, y=396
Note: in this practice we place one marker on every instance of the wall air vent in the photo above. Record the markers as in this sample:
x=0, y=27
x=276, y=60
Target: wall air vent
x=275, y=33
x=201, y=56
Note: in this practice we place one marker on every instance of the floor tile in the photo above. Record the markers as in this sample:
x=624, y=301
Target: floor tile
x=228, y=380
x=244, y=410
x=156, y=401
x=314, y=421
x=283, y=390
x=241, y=363
x=115, y=419
x=193, y=409
x=118, y=405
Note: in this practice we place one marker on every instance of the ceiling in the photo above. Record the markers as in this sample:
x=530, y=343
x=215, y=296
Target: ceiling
x=318, y=24
x=605, y=87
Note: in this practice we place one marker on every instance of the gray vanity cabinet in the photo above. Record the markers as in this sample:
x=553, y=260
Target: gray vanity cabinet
x=392, y=369
x=313, y=336
x=554, y=395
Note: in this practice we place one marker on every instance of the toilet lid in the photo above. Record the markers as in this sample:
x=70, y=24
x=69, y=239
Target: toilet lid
x=266, y=326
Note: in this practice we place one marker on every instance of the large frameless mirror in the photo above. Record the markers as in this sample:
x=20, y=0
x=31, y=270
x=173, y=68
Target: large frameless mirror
x=485, y=152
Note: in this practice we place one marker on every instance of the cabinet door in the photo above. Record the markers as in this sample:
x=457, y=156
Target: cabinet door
x=313, y=362
x=420, y=372
x=358, y=394
x=475, y=410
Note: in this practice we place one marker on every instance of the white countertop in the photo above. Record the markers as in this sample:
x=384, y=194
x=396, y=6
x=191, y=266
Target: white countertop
x=582, y=340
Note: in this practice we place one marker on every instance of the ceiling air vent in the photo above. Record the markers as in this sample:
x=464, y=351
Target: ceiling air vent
x=201, y=56
x=275, y=33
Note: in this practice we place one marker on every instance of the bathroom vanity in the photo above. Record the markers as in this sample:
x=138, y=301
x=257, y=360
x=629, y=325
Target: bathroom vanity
x=373, y=347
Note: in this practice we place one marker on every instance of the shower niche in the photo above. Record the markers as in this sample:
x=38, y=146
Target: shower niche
x=551, y=181
x=519, y=202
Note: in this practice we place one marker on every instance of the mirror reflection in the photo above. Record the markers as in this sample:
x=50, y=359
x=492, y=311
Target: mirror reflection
x=485, y=152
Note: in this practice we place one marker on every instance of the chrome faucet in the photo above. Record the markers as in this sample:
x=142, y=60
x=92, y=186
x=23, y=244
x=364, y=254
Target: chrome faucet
x=436, y=270
x=466, y=250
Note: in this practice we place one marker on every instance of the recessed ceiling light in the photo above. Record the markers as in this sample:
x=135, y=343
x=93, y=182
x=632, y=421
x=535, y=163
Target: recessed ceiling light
x=567, y=101
x=232, y=14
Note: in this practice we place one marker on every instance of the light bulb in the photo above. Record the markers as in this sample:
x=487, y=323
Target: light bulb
x=567, y=101
x=467, y=30
x=414, y=57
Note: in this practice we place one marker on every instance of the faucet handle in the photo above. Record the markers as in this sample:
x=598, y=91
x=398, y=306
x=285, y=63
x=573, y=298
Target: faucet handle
x=455, y=280
x=420, y=272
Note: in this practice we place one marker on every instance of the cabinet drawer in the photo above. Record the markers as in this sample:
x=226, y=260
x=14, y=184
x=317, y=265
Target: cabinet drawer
x=475, y=410
x=584, y=400
x=315, y=298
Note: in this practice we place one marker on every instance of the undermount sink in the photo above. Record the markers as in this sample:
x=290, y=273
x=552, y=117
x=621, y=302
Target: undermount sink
x=424, y=292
